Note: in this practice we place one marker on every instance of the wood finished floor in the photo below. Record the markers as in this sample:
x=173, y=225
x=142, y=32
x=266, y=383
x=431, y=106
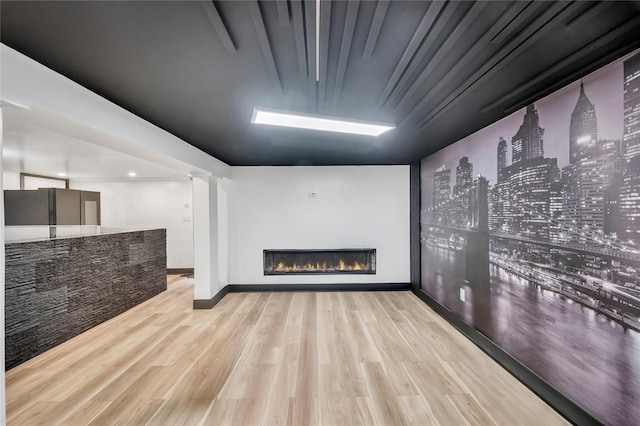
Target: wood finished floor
x=271, y=358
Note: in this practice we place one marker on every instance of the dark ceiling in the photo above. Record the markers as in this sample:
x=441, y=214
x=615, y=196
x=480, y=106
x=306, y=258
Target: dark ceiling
x=439, y=70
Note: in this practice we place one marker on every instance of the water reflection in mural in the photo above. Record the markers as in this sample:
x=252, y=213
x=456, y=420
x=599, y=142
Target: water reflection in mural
x=530, y=231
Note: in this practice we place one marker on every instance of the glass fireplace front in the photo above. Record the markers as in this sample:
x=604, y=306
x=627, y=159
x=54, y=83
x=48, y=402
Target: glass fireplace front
x=341, y=261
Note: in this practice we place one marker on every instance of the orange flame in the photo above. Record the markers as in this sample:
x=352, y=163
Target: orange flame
x=320, y=267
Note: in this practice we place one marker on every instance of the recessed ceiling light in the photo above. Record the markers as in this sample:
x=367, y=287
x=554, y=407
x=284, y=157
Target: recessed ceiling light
x=318, y=122
x=62, y=174
x=132, y=174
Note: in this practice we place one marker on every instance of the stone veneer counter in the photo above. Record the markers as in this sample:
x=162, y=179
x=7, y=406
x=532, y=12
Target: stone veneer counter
x=56, y=289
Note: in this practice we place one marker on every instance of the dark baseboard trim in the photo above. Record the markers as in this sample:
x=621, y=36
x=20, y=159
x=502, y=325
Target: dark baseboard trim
x=271, y=288
x=414, y=224
x=563, y=405
x=179, y=271
x=241, y=288
x=210, y=303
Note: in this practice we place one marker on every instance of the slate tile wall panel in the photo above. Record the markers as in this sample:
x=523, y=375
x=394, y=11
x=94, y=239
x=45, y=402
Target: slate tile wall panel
x=57, y=289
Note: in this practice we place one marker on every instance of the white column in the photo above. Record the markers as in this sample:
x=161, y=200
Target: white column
x=209, y=237
x=223, y=231
x=3, y=415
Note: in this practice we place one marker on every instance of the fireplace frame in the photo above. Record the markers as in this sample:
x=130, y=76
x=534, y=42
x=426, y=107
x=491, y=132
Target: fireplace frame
x=371, y=252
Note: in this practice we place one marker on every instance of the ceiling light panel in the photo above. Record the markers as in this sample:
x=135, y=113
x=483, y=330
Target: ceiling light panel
x=318, y=122
x=317, y=40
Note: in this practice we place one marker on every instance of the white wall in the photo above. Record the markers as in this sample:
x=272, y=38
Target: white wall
x=10, y=180
x=149, y=204
x=355, y=206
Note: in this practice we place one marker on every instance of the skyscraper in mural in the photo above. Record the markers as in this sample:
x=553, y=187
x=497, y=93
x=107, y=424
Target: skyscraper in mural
x=441, y=193
x=464, y=176
x=502, y=155
x=499, y=193
x=629, y=200
x=520, y=201
x=586, y=186
x=464, y=182
x=583, y=127
x=527, y=142
x=631, y=96
x=479, y=204
x=530, y=188
x=590, y=176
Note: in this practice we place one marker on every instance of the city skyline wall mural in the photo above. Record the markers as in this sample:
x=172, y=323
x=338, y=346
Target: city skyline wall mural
x=530, y=232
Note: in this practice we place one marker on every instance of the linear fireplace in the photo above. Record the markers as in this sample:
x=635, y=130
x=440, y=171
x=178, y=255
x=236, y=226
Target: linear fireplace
x=342, y=261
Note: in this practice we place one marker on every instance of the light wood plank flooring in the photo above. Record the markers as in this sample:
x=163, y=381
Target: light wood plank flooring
x=271, y=358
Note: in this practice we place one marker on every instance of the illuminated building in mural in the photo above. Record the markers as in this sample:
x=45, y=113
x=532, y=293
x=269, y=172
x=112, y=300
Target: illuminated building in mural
x=589, y=197
x=464, y=182
x=502, y=155
x=555, y=210
x=583, y=128
x=478, y=204
x=591, y=182
x=528, y=141
x=520, y=202
x=631, y=100
x=499, y=205
x=529, y=188
x=629, y=200
x=441, y=193
x=467, y=205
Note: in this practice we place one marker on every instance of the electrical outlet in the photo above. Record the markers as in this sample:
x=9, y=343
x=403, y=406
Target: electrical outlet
x=462, y=295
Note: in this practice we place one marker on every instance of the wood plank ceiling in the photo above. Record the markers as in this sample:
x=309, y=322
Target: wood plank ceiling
x=439, y=70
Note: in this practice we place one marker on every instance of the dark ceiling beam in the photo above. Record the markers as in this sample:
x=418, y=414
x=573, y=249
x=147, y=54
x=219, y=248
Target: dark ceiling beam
x=298, y=33
x=425, y=24
x=632, y=25
x=453, y=38
x=325, y=28
x=376, y=26
x=218, y=25
x=589, y=13
x=283, y=12
x=263, y=40
x=345, y=48
x=525, y=38
x=310, y=34
x=516, y=23
x=511, y=15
